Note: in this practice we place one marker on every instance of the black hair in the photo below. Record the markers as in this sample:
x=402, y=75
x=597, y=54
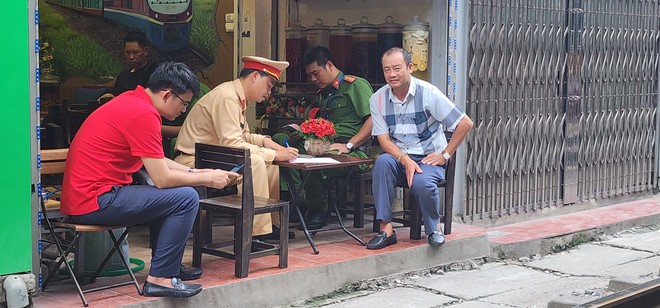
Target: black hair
x=319, y=54
x=175, y=76
x=407, y=58
x=247, y=71
x=136, y=36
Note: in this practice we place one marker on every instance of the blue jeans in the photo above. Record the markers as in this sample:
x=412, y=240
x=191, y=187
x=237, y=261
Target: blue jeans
x=388, y=173
x=170, y=214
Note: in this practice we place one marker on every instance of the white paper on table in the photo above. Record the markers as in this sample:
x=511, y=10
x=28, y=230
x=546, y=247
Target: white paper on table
x=315, y=160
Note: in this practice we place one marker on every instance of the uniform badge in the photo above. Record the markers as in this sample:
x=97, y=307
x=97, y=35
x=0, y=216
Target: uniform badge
x=335, y=83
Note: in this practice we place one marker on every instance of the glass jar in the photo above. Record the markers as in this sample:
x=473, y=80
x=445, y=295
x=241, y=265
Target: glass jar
x=318, y=34
x=416, y=41
x=341, y=44
x=365, y=50
x=389, y=35
x=296, y=45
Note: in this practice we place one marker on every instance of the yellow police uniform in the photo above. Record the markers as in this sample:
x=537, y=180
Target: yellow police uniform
x=219, y=118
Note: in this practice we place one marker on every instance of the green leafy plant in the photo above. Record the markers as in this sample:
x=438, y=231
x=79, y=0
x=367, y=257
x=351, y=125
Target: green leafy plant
x=203, y=34
x=73, y=54
x=83, y=57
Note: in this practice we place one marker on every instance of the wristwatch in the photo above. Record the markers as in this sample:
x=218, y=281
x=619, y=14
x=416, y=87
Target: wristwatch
x=349, y=146
x=445, y=155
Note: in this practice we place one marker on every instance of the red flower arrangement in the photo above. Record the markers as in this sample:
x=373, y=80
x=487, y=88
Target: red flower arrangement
x=317, y=129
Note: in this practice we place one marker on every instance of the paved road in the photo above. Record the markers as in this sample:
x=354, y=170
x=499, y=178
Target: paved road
x=579, y=274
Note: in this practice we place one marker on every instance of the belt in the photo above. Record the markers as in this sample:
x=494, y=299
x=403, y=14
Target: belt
x=177, y=153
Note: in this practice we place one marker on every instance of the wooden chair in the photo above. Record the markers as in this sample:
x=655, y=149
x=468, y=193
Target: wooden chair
x=362, y=200
x=242, y=208
x=411, y=215
x=53, y=162
x=84, y=103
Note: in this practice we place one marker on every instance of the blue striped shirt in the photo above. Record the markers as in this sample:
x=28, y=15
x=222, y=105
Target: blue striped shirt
x=414, y=124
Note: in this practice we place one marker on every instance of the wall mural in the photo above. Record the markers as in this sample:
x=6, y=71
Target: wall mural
x=85, y=37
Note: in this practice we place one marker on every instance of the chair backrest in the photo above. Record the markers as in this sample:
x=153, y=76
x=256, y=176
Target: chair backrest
x=86, y=95
x=84, y=103
x=209, y=156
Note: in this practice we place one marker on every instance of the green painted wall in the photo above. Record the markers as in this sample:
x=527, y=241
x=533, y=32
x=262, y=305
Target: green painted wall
x=15, y=182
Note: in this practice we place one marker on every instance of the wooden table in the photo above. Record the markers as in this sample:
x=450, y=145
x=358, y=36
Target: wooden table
x=296, y=194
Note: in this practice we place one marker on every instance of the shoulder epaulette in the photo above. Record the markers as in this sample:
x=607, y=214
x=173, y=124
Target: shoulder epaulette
x=349, y=78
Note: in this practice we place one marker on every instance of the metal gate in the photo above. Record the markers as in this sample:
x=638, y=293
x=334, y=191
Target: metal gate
x=563, y=95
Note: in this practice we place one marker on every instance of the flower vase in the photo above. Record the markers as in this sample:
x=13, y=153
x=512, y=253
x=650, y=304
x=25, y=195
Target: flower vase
x=317, y=147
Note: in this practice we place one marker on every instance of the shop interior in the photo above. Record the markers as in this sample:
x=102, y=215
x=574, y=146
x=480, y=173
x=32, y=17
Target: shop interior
x=356, y=32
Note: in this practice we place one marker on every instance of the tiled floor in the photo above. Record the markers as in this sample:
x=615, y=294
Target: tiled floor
x=570, y=223
x=336, y=246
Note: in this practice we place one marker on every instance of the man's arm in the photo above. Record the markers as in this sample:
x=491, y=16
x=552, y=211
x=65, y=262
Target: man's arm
x=360, y=94
x=461, y=131
x=167, y=173
x=358, y=139
x=170, y=131
x=282, y=153
x=363, y=134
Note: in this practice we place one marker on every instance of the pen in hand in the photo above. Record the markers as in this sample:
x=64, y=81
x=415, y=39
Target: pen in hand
x=294, y=154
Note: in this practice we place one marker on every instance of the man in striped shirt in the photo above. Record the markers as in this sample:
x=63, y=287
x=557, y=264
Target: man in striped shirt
x=408, y=119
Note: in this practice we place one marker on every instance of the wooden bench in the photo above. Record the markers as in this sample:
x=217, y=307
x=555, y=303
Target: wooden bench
x=52, y=164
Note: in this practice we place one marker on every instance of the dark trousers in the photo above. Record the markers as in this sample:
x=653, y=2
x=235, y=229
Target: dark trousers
x=170, y=214
x=388, y=173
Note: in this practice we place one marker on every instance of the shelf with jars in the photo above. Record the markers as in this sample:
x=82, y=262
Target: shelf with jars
x=359, y=32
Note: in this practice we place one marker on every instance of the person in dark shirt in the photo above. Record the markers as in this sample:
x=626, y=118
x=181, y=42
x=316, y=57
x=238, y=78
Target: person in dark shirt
x=136, y=52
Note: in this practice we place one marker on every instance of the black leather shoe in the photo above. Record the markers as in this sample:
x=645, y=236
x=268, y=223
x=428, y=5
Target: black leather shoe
x=189, y=273
x=179, y=289
x=275, y=236
x=436, y=239
x=381, y=240
x=316, y=219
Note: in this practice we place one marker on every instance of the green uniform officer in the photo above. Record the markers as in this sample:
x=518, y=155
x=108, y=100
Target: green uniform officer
x=344, y=100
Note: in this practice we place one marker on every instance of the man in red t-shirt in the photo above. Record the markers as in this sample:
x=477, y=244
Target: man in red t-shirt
x=113, y=143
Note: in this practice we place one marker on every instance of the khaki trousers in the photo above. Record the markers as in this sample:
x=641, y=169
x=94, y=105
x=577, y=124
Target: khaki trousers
x=265, y=183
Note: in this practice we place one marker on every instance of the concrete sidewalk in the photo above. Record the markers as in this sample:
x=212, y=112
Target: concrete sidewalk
x=570, y=259
x=515, y=275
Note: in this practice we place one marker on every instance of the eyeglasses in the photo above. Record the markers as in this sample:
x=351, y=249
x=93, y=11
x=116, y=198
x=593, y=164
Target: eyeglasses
x=183, y=102
x=270, y=82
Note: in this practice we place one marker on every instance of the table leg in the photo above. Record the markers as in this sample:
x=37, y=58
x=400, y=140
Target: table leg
x=341, y=191
x=296, y=197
